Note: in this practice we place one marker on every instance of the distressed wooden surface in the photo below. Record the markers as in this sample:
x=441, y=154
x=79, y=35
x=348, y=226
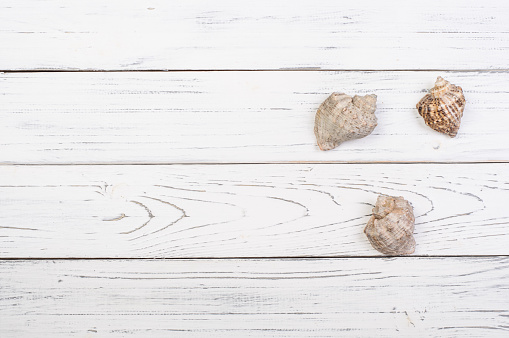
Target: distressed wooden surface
x=404, y=297
x=247, y=117
x=197, y=196
x=245, y=210
x=228, y=34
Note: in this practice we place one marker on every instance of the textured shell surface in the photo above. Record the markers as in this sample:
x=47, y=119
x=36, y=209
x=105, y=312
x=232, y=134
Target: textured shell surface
x=390, y=228
x=341, y=118
x=442, y=109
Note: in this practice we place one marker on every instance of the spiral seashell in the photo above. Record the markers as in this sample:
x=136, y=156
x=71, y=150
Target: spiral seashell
x=442, y=109
x=341, y=117
x=390, y=229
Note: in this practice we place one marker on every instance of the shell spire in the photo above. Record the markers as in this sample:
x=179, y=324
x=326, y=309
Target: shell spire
x=341, y=118
x=442, y=109
x=441, y=87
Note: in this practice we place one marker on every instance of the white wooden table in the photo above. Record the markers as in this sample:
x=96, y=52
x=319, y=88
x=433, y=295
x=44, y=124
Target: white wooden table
x=159, y=174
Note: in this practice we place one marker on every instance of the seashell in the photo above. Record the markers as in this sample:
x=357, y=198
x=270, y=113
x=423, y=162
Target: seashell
x=443, y=107
x=341, y=118
x=390, y=228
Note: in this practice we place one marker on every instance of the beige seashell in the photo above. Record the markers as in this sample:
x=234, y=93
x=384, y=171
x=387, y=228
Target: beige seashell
x=341, y=118
x=442, y=109
x=390, y=228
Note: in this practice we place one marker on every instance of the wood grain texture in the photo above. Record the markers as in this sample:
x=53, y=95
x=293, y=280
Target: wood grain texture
x=210, y=210
x=247, y=117
x=262, y=34
x=245, y=210
x=406, y=297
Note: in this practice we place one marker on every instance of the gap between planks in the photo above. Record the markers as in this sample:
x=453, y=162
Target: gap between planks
x=35, y=164
x=307, y=69
x=278, y=258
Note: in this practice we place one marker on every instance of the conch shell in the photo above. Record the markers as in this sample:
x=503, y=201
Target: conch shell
x=341, y=118
x=443, y=107
x=390, y=228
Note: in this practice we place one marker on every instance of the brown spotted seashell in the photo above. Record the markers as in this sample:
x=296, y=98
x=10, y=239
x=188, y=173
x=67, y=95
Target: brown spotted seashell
x=443, y=107
x=341, y=118
x=390, y=229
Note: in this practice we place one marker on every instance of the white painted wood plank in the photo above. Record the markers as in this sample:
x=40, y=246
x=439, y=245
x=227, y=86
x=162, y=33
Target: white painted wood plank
x=405, y=297
x=248, y=117
x=245, y=210
x=261, y=34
